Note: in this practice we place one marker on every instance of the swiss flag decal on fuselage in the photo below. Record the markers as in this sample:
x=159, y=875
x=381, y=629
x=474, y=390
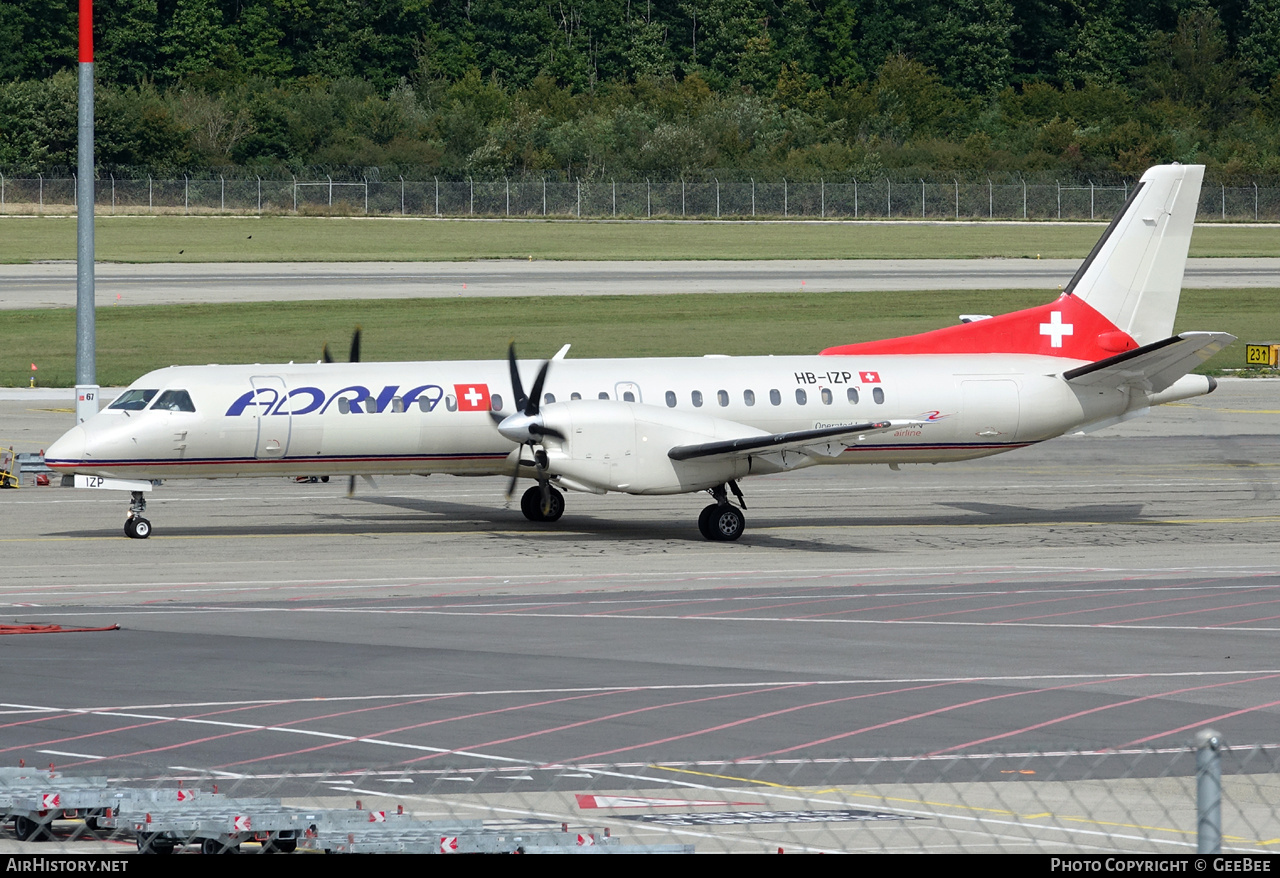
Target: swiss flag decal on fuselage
x=869, y=377
x=472, y=397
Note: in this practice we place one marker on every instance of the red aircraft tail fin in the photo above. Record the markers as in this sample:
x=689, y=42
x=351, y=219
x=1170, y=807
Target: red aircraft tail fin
x=1064, y=328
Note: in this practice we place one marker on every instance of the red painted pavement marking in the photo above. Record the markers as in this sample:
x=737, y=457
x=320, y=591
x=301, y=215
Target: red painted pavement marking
x=1100, y=709
x=1199, y=724
x=127, y=728
x=1242, y=622
x=1188, y=613
x=357, y=739
x=763, y=716
x=941, y=710
x=228, y=734
x=600, y=719
x=1203, y=595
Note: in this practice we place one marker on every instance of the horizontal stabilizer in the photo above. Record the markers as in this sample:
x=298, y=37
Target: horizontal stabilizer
x=796, y=439
x=1154, y=367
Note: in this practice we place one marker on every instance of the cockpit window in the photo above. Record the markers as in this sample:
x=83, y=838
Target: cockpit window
x=174, y=401
x=133, y=400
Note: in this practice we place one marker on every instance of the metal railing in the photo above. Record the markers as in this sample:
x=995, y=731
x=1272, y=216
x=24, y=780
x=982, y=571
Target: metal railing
x=1205, y=797
x=534, y=196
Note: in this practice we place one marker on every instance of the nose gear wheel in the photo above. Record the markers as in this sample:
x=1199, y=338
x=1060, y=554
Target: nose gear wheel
x=135, y=526
x=536, y=507
x=543, y=502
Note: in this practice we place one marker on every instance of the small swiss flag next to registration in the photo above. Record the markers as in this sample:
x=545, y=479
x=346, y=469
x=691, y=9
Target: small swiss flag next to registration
x=472, y=397
x=869, y=377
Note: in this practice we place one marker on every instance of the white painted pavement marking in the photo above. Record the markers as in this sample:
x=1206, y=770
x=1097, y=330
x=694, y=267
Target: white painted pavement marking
x=131, y=711
x=614, y=581
x=775, y=620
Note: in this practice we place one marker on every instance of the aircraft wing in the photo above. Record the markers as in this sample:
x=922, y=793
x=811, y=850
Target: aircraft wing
x=1152, y=367
x=797, y=440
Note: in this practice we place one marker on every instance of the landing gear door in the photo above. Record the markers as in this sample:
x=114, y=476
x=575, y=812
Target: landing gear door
x=274, y=426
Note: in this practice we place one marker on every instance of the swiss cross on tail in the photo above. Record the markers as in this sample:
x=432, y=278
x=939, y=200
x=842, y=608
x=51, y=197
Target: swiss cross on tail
x=472, y=397
x=1056, y=329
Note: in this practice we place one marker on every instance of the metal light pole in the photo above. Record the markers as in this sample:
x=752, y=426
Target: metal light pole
x=86, y=354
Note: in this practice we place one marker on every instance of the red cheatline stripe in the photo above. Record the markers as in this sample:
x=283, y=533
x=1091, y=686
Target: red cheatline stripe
x=50, y=629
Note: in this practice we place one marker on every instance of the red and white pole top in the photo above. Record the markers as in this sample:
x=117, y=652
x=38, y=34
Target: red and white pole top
x=86, y=31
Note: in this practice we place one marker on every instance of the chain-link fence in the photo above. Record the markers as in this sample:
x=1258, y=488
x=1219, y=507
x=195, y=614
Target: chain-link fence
x=530, y=196
x=1203, y=797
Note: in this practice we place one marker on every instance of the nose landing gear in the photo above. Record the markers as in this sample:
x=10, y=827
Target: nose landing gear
x=135, y=526
x=539, y=507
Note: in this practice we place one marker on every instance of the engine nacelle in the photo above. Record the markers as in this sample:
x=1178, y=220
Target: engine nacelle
x=622, y=446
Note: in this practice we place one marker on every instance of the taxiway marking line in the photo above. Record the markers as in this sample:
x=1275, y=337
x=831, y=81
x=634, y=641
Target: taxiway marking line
x=896, y=803
x=131, y=710
x=427, y=531
x=720, y=619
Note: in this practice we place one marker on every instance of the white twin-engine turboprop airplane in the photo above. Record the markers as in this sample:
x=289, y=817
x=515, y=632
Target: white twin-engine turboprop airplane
x=1101, y=352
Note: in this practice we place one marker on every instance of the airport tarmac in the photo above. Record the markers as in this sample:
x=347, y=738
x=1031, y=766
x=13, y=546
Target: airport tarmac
x=53, y=284
x=1113, y=591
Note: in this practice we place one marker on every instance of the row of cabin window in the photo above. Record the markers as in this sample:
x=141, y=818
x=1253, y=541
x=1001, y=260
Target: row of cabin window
x=775, y=397
x=722, y=397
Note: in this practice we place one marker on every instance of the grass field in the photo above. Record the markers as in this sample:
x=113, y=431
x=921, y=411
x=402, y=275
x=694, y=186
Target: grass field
x=314, y=239
x=132, y=341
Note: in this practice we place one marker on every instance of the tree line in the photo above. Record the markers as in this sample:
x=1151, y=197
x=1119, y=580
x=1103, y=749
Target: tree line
x=796, y=87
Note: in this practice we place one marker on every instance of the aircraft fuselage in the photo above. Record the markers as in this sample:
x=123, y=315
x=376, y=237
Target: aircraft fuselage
x=433, y=417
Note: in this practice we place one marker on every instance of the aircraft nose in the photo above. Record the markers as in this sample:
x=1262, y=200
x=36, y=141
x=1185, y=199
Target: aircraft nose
x=68, y=450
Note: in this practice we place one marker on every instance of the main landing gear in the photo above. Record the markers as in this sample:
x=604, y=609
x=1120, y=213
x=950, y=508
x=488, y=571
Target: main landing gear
x=135, y=526
x=721, y=522
x=535, y=508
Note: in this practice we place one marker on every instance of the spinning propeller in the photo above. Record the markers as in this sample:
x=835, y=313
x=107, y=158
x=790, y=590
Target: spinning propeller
x=527, y=427
x=353, y=358
x=355, y=349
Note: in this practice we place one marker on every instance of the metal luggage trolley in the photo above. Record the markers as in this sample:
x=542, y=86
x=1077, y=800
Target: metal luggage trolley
x=7, y=465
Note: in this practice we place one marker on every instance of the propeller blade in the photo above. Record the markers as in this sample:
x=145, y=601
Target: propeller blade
x=495, y=417
x=355, y=346
x=535, y=395
x=546, y=496
x=515, y=477
x=328, y=357
x=516, y=387
x=351, y=486
x=537, y=430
